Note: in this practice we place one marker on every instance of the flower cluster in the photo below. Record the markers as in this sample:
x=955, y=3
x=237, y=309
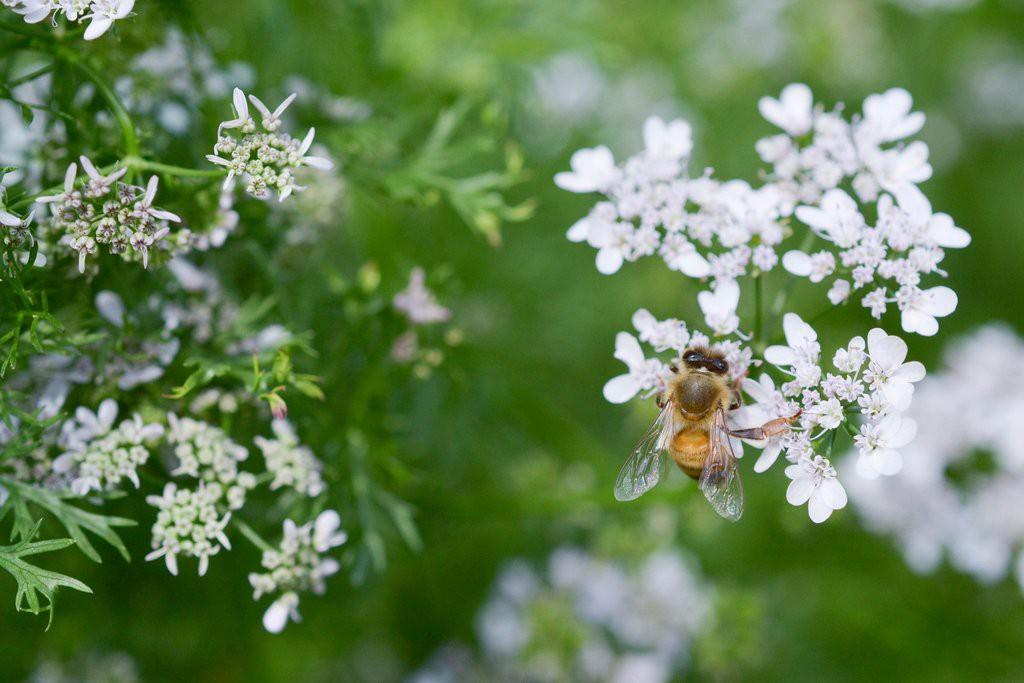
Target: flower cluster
x=267, y=160
x=869, y=381
x=101, y=14
x=291, y=464
x=205, y=452
x=962, y=477
x=297, y=565
x=108, y=213
x=99, y=456
x=188, y=523
x=827, y=174
x=590, y=619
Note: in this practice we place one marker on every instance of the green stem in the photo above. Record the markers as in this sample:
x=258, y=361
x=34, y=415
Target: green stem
x=251, y=534
x=758, y=308
x=783, y=296
x=31, y=76
x=169, y=170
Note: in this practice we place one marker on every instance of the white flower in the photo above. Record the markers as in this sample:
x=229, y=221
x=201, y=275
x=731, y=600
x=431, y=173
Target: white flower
x=325, y=531
x=888, y=117
x=900, y=170
x=292, y=464
x=887, y=371
x=613, y=241
x=672, y=141
x=280, y=611
x=878, y=443
x=838, y=220
x=839, y=292
x=296, y=566
x=418, y=303
x=814, y=482
x=920, y=308
x=852, y=358
x=814, y=267
x=662, y=335
x=189, y=524
x=828, y=414
x=680, y=254
x=928, y=228
x=593, y=170
x=266, y=160
x=643, y=374
x=802, y=344
x=793, y=112
x=719, y=307
x=103, y=15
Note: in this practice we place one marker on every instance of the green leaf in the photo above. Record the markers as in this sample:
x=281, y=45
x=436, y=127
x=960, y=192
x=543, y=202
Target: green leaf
x=36, y=586
x=76, y=520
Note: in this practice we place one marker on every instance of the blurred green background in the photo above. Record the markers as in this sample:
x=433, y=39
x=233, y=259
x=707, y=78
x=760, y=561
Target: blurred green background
x=513, y=447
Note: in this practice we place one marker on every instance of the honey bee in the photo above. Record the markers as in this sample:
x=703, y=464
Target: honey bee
x=693, y=429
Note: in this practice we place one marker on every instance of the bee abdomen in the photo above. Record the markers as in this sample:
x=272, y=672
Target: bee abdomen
x=690, y=449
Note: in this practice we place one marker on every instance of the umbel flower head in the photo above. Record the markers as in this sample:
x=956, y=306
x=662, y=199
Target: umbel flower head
x=868, y=380
x=266, y=160
x=99, y=456
x=188, y=523
x=291, y=464
x=297, y=565
x=107, y=213
x=828, y=174
x=101, y=14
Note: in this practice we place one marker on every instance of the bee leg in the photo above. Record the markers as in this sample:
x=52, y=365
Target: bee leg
x=776, y=427
x=753, y=434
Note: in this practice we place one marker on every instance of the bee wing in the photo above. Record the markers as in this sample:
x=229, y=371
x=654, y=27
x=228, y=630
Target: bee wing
x=646, y=464
x=720, y=480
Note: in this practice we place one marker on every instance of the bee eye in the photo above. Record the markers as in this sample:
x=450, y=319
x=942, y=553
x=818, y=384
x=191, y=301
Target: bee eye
x=719, y=366
x=693, y=357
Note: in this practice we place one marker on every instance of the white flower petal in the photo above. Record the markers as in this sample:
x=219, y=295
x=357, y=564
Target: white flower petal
x=800, y=489
x=887, y=350
x=627, y=349
x=621, y=389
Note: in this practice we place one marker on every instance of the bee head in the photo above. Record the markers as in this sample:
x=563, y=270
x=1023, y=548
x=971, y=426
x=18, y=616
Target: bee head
x=703, y=358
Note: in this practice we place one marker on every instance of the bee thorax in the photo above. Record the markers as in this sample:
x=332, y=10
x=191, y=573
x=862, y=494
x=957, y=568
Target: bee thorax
x=697, y=395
